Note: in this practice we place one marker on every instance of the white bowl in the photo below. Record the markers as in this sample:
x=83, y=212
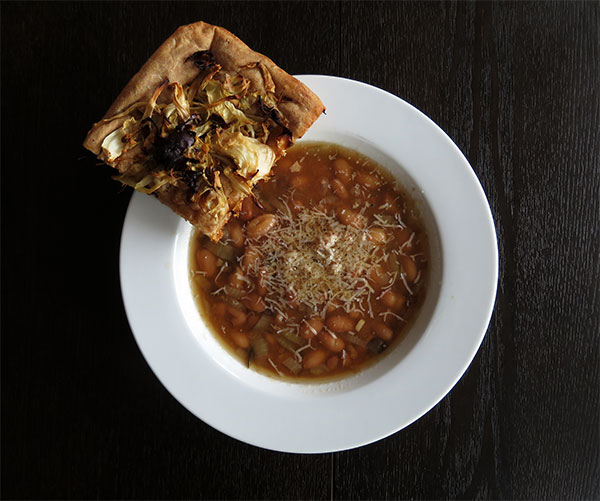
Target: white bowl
x=389, y=395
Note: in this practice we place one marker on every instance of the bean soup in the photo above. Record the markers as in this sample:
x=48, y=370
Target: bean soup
x=319, y=273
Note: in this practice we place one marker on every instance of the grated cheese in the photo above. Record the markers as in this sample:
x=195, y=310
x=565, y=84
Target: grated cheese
x=312, y=260
x=225, y=265
x=329, y=332
x=406, y=284
x=384, y=314
x=275, y=367
x=297, y=352
x=310, y=327
x=408, y=242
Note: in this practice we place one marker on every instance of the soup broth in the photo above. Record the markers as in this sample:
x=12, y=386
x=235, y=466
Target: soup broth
x=321, y=272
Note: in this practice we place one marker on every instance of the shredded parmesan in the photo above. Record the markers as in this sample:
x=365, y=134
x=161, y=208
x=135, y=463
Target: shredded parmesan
x=311, y=259
x=408, y=242
x=386, y=221
x=310, y=327
x=243, y=278
x=330, y=333
x=406, y=284
x=275, y=367
x=225, y=265
x=297, y=352
x=384, y=314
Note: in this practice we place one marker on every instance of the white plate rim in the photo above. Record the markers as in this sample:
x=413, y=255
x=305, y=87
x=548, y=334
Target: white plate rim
x=328, y=412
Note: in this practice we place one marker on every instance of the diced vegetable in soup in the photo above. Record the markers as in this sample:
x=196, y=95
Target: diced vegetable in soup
x=321, y=272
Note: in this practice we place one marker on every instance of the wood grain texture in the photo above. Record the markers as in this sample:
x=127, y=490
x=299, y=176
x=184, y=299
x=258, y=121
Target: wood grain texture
x=83, y=415
x=516, y=87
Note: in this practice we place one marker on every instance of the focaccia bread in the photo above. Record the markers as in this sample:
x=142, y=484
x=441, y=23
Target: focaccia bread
x=201, y=123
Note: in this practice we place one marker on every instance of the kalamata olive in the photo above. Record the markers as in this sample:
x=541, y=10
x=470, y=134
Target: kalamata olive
x=169, y=150
x=202, y=59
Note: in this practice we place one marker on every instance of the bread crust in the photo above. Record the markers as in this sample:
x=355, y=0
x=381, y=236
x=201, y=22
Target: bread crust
x=299, y=105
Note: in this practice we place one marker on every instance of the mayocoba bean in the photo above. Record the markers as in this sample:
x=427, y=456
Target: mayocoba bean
x=334, y=344
x=332, y=362
x=261, y=225
x=332, y=306
x=236, y=233
x=409, y=267
x=240, y=339
x=342, y=169
x=404, y=234
x=383, y=331
x=369, y=181
x=377, y=236
x=251, y=259
x=339, y=189
x=207, y=262
x=249, y=209
x=352, y=218
x=311, y=327
x=339, y=323
x=314, y=358
x=378, y=276
x=393, y=300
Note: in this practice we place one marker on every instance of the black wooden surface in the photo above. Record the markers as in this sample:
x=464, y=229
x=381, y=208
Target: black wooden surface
x=516, y=85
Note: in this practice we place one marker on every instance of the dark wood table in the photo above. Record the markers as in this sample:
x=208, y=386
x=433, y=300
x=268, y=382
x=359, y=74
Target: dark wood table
x=516, y=85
